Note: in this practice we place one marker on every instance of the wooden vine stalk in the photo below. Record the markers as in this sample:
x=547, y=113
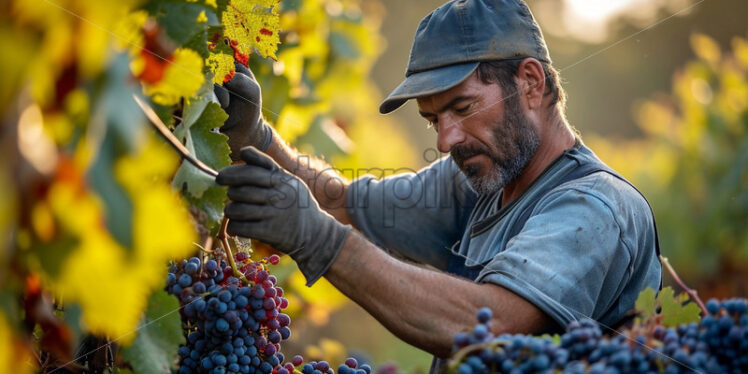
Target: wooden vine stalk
x=691, y=292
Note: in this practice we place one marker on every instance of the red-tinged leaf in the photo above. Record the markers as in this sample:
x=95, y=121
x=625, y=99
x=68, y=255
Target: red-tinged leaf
x=252, y=24
x=156, y=55
x=153, y=70
x=229, y=76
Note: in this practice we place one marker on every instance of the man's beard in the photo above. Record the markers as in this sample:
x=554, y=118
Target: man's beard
x=516, y=139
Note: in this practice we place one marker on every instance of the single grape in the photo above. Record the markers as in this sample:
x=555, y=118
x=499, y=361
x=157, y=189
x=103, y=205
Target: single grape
x=484, y=315
x=191, y=268
x=184, y=280
x=351, y=362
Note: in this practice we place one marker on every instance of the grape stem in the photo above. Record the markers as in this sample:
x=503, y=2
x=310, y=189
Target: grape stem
x=207, y=247
x=460, y=354
x=691, y=292
x=224, y=238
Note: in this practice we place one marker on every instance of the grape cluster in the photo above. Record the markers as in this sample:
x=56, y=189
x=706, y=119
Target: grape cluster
x=230, y=327
x=237, y=328
x=717, y=344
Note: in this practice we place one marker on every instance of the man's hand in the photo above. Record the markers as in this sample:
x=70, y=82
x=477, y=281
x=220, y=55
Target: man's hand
x=276, y=207
x=241, y=98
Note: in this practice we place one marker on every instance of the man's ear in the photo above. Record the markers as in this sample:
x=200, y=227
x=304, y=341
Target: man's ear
x=531, y=82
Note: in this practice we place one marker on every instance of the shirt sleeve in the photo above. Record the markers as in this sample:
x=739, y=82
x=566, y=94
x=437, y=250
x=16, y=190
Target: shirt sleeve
x=568, y=260
x=417, y=215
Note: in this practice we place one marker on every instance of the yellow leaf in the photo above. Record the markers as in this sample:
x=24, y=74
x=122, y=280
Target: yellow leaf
x=162, y=227
x=222, y=66
x=182, y=78
x=202, y=18
x=253, y=24
x=9, y=201
x=15, y=357
x=655, y=118
x=328, y=350
x=706, y=48
x=42, y=221
x=130, y=31
x=295, y=120
x=309, y=26
x=293, y=64
x=740, y=48
x=110, y=283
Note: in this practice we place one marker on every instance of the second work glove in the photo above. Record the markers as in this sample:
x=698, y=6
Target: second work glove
x=274, y=206
x=242, y=100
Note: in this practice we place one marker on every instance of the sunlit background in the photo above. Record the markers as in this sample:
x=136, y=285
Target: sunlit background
x=658, y=89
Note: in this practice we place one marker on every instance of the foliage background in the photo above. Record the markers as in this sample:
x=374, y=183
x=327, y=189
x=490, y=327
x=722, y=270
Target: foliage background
x=666, y=106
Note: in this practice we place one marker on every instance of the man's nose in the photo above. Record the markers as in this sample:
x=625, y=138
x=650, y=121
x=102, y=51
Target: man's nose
x=450, y=133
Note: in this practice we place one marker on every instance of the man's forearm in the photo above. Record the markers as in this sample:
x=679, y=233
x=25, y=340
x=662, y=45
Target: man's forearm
x=328, y=187
x=425, y=307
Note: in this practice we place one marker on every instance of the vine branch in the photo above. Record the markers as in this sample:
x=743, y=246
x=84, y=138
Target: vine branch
x=691, y=292
x=171, y=139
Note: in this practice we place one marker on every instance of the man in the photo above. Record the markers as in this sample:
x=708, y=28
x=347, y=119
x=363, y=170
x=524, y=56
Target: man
x=521, y=217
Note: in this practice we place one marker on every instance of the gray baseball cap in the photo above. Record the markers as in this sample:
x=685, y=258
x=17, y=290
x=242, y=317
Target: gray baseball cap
x=452, y=40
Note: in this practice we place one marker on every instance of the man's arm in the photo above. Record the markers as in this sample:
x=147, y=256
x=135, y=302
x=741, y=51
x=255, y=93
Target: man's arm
x=327, y=186
x=425, y=307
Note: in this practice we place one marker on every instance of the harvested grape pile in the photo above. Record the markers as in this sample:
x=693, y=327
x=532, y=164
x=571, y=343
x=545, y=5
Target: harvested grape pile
x=716, y=344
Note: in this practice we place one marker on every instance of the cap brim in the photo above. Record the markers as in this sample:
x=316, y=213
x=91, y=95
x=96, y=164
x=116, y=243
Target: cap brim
x=427, y=82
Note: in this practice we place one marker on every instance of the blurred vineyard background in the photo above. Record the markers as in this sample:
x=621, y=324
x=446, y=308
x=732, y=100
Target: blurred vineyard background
x=659, y=89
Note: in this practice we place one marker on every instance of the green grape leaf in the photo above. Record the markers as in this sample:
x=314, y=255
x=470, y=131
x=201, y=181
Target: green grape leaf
x=52, y=255
x=221, y=6
x=290, y=5
x=180, y=19
x=328, y=139
x=211, y=204
x=72, y=316
x=198, y=42
x=646, y=304
x=165, y=114
x=343, y=46
x=207, y=146
x=200, y=117
x=674, y=310
x=275, y=88
x=211, y=147
x=154, y=350
x=118, y=204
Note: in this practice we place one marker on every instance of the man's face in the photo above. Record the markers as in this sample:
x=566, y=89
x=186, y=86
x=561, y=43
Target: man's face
x=487, y=133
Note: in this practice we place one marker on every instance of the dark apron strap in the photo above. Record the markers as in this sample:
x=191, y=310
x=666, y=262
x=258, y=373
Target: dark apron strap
x=456, y=264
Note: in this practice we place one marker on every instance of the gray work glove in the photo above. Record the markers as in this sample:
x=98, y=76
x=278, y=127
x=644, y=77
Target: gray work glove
x=242, y=100
x=274, y=206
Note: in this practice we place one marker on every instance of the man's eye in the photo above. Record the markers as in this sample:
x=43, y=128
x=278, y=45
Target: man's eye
x=432, y=125
x=464, y=109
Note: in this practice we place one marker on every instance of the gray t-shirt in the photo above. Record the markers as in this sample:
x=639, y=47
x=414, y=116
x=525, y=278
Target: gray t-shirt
x=586, y=251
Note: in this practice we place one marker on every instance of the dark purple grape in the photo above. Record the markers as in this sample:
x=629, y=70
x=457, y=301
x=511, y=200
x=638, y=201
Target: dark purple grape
x=484, y=315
